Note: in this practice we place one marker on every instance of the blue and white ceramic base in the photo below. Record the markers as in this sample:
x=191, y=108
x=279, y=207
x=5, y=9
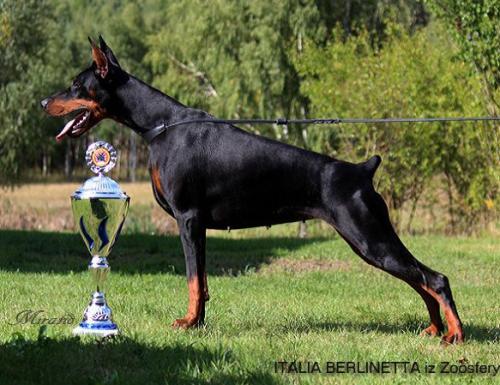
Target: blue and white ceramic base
x=97, y=318
x=96, y=330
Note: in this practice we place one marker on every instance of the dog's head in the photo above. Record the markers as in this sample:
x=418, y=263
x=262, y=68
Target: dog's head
x=88, y=100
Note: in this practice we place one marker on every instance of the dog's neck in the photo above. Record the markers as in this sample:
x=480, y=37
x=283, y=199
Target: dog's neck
x=143, y=107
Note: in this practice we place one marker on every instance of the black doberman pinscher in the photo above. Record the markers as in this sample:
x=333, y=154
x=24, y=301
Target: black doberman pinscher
x=217, y=176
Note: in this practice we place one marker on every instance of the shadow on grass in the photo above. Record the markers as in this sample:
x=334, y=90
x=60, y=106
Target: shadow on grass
x=122, y=361
x=31, y=251
x=472, y=332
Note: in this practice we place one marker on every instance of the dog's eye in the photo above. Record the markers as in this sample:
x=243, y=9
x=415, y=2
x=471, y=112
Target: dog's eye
x=77, y=84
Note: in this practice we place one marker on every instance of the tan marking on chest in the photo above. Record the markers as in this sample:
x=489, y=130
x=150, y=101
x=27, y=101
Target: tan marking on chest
x=155, y=177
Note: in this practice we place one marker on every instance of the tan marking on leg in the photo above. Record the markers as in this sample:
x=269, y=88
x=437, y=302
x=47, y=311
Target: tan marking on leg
x=194, y=306
x=436, y=327
x=455, y=332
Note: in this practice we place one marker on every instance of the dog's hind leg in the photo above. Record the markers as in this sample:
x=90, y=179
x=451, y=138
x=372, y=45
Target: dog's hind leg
x=193, y=237
x=202, y=276
x=363, y=221
x=436, y=328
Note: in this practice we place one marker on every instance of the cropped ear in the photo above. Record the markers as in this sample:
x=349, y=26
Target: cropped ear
x=109, y=54
x=100, y=59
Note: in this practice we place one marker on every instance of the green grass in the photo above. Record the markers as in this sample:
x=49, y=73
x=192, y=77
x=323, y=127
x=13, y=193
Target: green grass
x=272, y=298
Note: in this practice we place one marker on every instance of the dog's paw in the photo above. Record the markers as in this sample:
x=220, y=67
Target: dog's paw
x=452, y=338
x=183, y=323
x=431, y=331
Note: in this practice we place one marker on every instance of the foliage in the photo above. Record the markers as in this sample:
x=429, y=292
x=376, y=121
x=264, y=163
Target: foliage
x=475, y=25
x=249, y=59
x=24, y=77
x=234, y=59
x=413, y=76
x=42, y=51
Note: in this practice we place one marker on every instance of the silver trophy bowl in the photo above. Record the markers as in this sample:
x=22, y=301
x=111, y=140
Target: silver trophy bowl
x=99, y=210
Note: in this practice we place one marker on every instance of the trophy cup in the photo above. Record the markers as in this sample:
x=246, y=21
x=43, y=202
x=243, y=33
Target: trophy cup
x=99, y=209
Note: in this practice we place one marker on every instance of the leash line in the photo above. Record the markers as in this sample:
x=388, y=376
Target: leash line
x=153, y=133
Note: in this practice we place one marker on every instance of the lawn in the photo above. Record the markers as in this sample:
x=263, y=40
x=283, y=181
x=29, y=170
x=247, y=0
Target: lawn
x=272, y=299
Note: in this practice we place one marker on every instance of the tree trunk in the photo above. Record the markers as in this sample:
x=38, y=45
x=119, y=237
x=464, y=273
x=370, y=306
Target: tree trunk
x=45, y=164
x=451, y=210
x=346, y=21
x=68, y=160
x=412, y=212
x=302, y=230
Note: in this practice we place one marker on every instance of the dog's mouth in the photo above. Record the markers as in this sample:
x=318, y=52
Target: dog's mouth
x=77, y=126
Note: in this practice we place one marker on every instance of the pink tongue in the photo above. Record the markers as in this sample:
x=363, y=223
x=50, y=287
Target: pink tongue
x=65, y=129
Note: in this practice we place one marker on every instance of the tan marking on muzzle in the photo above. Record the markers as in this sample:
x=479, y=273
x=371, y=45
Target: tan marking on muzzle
x=59, y=107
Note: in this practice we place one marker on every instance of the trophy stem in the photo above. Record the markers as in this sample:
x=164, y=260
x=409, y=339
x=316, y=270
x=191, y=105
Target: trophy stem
x=97, y=318
x=99, y=270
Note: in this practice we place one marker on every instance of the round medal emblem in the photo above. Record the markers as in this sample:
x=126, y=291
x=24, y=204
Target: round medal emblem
x=100, y=157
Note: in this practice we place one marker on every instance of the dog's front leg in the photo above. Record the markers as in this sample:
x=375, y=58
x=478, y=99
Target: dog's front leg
x=193, y=235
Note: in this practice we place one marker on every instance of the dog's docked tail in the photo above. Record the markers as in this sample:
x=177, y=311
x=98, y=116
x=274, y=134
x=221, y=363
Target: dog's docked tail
x=371, y=165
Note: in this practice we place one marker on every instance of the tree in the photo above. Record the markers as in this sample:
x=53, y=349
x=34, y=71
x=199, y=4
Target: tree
x=24, y=78
x=475, y=25
x=42, y=52
x=410, y=76
x=234, y=57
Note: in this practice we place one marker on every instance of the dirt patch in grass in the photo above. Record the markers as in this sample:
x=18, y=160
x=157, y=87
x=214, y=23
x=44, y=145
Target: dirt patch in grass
x=304, y=266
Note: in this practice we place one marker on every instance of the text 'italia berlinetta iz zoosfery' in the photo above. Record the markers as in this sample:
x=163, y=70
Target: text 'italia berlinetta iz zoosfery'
x=384, y=367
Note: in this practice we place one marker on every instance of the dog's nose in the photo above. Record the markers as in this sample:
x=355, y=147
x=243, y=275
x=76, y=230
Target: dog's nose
x=44, y=103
